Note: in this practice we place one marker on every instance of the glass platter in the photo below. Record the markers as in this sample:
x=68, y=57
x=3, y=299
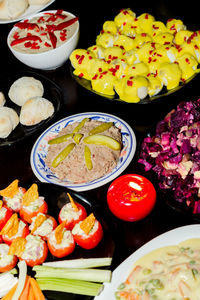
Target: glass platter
x=32, y=9
x=52, y=92
x=159, y=97
x=56, y=197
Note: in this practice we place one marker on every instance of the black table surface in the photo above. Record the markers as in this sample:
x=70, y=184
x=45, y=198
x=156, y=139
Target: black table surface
x=15, y=159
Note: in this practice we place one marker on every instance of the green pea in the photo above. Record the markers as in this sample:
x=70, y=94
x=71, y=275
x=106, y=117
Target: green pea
x=147, y=271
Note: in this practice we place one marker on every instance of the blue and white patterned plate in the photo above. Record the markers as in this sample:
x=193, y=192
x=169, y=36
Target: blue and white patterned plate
x=40, y=149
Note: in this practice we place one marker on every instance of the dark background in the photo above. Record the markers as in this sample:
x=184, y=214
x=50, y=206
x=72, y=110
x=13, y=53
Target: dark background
x=15, y=159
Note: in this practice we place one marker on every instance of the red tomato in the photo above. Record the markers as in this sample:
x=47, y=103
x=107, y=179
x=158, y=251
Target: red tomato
x=92, y=239
x=131, y=197
x=66, y=247
x=6, y=214
x=40, y=252
x=8, y=239
x=81, y=214
x=27, y=215
x=3, y=256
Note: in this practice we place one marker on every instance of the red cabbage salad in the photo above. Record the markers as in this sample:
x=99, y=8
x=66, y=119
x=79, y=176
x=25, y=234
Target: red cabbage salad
x=173, y=153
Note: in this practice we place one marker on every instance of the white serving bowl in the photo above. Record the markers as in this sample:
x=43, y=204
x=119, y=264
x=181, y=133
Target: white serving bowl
x=52, y=58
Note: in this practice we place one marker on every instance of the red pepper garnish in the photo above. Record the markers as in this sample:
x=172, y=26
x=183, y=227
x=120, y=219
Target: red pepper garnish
x=24, y=39
x=53, y=39
x=26, y=25
x=65, y=24
x=129, y=82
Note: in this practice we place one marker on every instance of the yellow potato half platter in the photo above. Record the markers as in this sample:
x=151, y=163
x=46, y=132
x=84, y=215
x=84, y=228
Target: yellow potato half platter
x=136, y=57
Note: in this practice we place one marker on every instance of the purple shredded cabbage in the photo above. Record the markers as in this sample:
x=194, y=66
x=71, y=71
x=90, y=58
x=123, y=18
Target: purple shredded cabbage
x=173, y=153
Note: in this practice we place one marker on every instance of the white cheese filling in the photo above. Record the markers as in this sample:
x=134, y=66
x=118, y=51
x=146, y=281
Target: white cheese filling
x=34, y=248
x=2, y=212
x=78, y=231
x=35, y=205
x=15, y=202
x=68, y=213
x=66, y=241
x=44, y=229
x=5, y=259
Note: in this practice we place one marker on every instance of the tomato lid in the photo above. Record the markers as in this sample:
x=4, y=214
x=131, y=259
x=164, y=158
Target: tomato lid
x=131, y=197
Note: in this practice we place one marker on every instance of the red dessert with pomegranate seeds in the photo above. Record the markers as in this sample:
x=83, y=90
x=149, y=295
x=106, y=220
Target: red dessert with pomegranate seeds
x=43, y=33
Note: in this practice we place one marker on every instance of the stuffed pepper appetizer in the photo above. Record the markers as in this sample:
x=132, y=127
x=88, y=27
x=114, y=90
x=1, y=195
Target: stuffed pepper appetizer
x=88, y=233
x=61, y=242
x=5, y=214
x=32, y=204
x=14, y=228
x=71, y=213
x=42, y=225
x=33, y=249
x=12, y=195
x=7, y=261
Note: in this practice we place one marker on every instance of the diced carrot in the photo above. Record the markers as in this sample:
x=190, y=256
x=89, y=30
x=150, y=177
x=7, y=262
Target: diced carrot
x=128, y=295
x=10, y=294
x=133, y=274
x=146, y=296
x=25, y=292
x=36, y=289
x=157, y=265
x=184, y=289
x=174, y=273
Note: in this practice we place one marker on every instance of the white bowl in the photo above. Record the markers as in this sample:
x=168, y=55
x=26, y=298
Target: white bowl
x=51, y=59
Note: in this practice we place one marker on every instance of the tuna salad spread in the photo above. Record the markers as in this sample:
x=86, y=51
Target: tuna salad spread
x=44, y=32
x=167, y=273
x=84, y=151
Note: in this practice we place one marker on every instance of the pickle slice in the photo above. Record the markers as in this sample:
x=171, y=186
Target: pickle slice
x=80, y=125
x=78, y=137
x=61, y=139
x=88, y=160
x=62, y=155
x=103, y=140
x=101, y=128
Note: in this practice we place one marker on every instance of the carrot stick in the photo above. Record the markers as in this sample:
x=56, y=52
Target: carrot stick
x=9, y=295
x=25, y=292
x=36, y=290
x=31, y=294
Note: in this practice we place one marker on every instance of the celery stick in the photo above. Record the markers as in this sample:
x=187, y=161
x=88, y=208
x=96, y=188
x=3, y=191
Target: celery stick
x=81, y=263
x=70, y=286
x=96, y=275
